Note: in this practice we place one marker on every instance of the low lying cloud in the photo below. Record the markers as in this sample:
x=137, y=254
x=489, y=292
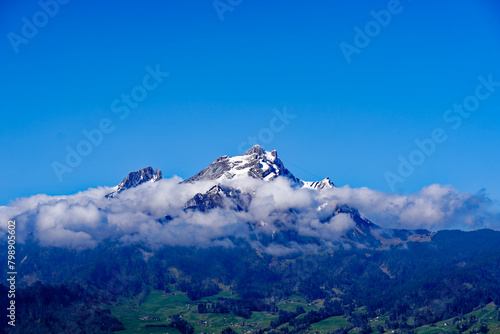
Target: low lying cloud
x=84, y=219
x=434, y=207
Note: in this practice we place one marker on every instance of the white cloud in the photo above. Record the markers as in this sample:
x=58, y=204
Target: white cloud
x=84, y=219
x=434, y=207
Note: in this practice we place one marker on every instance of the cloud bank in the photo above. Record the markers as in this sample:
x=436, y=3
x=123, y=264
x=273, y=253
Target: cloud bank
x=434, y=207
x=84, y=219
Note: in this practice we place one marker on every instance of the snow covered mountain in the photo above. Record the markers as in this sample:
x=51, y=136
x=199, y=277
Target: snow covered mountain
x=255, y=163
x=136, y=178
x=326, y=183
x=265, y=165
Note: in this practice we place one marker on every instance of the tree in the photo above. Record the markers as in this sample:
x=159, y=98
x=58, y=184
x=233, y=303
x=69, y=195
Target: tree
x=483, y=329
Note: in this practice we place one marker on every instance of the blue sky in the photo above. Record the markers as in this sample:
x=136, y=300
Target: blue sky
x=352, y=120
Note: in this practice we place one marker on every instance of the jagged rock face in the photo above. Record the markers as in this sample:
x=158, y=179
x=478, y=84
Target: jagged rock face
x=136, y=178
x=323, y=184
x=255, y=163
x=219, y=197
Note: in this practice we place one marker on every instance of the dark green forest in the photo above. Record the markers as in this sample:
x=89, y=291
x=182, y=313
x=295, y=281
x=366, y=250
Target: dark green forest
x=63, y=291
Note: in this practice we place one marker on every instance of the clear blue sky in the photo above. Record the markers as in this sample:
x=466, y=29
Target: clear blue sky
x=226, y=76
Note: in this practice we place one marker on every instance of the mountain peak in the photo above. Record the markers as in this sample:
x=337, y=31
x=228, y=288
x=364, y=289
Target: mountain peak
x=219, y=197
x=255, y=163
x=256, y=149
x=326, y=183
x=259, y=151
x=136, y=178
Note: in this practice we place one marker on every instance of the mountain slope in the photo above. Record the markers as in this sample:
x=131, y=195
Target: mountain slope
x=255, y=163
x=219, y=197
x=136, y=178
